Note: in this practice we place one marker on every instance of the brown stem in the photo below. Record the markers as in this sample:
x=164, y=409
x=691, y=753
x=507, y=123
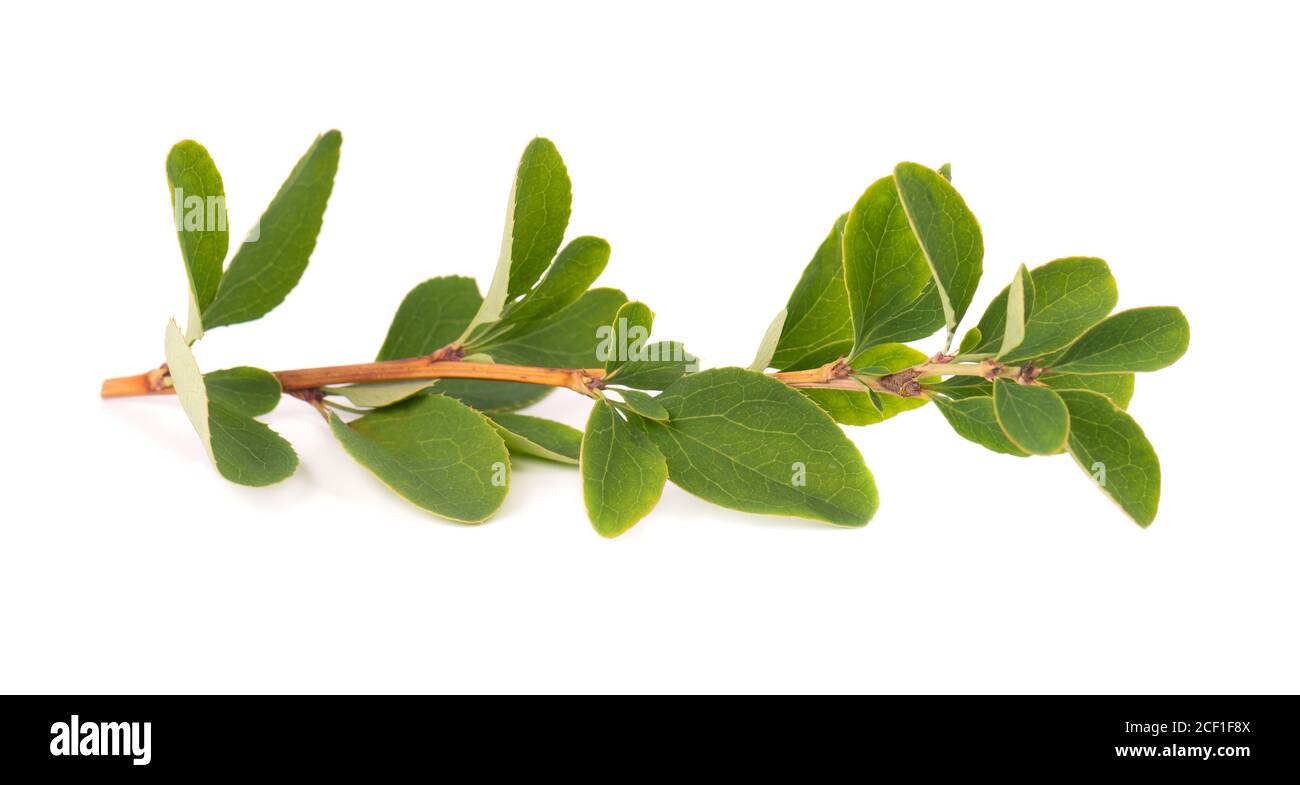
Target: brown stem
x=386, y=371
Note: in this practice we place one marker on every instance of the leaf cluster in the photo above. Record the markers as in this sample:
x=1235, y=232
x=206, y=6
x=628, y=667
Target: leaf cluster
x=1047, y=369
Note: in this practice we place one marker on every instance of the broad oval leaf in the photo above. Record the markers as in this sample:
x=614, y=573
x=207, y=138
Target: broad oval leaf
x=271, y=260
x=1033, y=418
x=818, y=327
x=199, y=210
x=431, y=316
x=1143, y=339
x=623, y=475
x=1070, y=295
x=1110, y=448
x=743, y=440
x=949, y=236
x=538, y=437
x=973, y=419
x=892, y=295
x=433, y=451
x=244, y=390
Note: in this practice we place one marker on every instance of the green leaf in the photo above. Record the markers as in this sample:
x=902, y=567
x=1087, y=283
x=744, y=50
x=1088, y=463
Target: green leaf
x=1110, y=447
x=886, y=358
x=945, y=171
x=246, y=451
x=199, y=209
x=538, y=437
x=1033, y=418
x=746, y=441
x=623, y=475
x=643, y=404
x=244, y=390
x=969, y=341
x=632, y=362
x=243, y=450
x=949, y=236
x=1118, y=387
x=1143, y=339
x=891, y=292
x=269, y=263
x=626, y=336
x=1020, y=303
x=431, y=316
x=973, y=419
x=567, y=340
x=818, y=327
x=1070, y=295
x=378, y=394
x=537, y=214
x=767, y=346
x=665, y=362
x=433, y=451
x=579, y=264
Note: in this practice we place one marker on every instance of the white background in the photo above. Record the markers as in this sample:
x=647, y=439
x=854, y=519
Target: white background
x=713, y=144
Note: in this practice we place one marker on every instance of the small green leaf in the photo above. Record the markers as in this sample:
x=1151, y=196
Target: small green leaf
x=973, y=419
x=886, y=358
x=1110, y=447
x=767, y=346
x=1033, y=418
x=244, y=390
x=1020, y=302
x=818, y=327
x=643, y=404
x=246, y=451
x=970, y=341
x=1143, y=339
x=949, y=235
x=746, y=441
x=1070, y=295
x=891, y=293
x=626, y=337
x=243, y=450
x=537, y=214
x=1118, y=387
x=269, y=263
x=431, y=316
x=433, y=451
x=578, y=265
x=665, y=362
x=375, y=395
x=199, y=209
x=945, y=171
x=623, y=475
x=538, y=437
